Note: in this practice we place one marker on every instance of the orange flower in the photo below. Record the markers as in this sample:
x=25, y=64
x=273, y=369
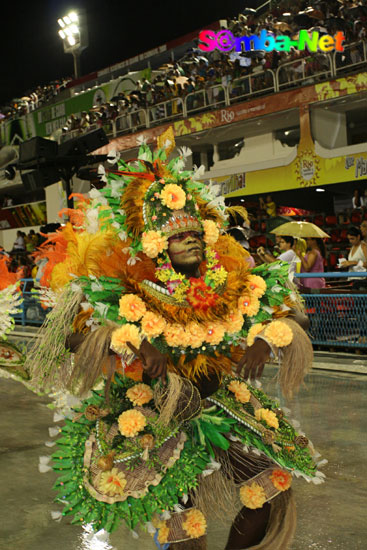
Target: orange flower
x=256, y=285
x=173, y=196
x=281, y=479
x=201, y=296
x=234, y=322
x=253, y=332
x=126, y=333
x=196, y=334
x=252, y=496
x=131, y=307
x=240, y=390
x=140, y=394
x=214, y=333
x=176, y=336
x=279, y=334
x=248, y=306
x=195, y=523
x=268, y=416
x=112, y=483
x=131, y=422
x=153, y=243
x=152, y=325
x=163, y=533
x=211, y=232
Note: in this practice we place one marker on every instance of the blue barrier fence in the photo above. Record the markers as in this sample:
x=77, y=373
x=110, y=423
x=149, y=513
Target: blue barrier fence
x=32, y=313
x=337, y=318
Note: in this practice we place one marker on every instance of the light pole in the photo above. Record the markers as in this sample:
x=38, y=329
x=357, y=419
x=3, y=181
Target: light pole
x=74, y=34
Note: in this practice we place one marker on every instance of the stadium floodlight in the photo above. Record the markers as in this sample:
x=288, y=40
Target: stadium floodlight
x=74, y=35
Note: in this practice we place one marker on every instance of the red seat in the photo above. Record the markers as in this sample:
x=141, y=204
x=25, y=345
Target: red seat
x=334, y=236
x=344, y=234
x=356, y=218
x=330, y=220
x=333, y=259
x=318, y=220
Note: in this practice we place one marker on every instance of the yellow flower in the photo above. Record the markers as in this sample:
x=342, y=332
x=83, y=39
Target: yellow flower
x=140, y=394
x=219, y=276
x=211, y=232
x=256, y=285
x=180, y=293
x=173, y=196
x=196, y=334
x=163, y=533
x=176, y=336
x=279, y=334
x=253, y=332
x=153, y=243
x=252, y=496
x=112, y=483
x=132, y=307
x=234, y=322
x=131, y=422
x=268, y=416
x=214, y=333
x=126, y=333
x=194, y=524
x=248, y=306
x=281, y=479
x=152, y=325
x=240, y=390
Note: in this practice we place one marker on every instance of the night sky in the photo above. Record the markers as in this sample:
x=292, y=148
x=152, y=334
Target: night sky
x=32, y=51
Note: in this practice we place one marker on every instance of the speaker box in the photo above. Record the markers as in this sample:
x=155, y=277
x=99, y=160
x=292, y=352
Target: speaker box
x=82, y=145
x=37, y=148
x=39, y=179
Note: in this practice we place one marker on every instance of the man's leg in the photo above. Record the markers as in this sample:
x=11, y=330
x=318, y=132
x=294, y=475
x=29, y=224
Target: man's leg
x=248, y=528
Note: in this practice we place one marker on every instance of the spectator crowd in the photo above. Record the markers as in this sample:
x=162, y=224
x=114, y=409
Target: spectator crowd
x=195, y=75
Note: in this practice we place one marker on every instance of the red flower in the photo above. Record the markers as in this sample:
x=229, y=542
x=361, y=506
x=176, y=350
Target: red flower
x=200, y=295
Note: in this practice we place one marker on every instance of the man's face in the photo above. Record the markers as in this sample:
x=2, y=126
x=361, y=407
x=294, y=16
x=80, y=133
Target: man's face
x=186, y=250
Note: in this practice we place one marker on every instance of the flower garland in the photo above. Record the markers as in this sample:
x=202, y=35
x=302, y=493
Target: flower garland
x=198, y=292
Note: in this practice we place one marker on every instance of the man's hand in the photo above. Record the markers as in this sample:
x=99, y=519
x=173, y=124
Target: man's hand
x=154, y=362
x=253, y=361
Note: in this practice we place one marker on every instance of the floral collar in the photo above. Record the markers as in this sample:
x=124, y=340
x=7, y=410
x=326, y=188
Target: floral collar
x=199, y=293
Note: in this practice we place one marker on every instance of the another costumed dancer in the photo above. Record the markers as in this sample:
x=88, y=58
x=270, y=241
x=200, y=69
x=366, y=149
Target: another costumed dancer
x=155, y=298
x=10, y=304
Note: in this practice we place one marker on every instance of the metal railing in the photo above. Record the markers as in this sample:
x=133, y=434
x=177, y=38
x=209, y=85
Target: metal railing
x=32, y=312
x=200, y=100
x=252, y=84
x=354, y=55
x=338, y=318
x=166, y=110
x=302, y=70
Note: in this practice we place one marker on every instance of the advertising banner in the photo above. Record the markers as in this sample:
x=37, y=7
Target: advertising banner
x=24, y=215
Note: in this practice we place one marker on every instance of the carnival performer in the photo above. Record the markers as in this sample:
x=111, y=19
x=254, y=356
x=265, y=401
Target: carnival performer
x=10, y=305
x=153, y=297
